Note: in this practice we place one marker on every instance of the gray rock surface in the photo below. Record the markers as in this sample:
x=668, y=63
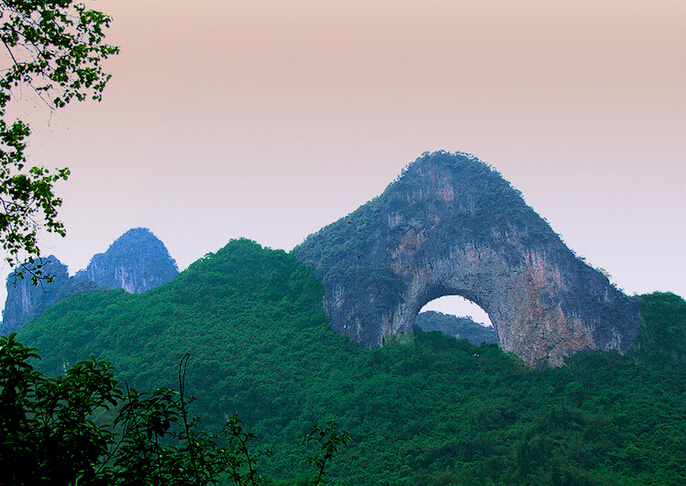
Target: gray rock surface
x=137, y=261
x=451, y=225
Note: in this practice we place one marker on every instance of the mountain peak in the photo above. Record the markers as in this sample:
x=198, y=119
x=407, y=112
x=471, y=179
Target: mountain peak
x=452, y=225
x=137, y=261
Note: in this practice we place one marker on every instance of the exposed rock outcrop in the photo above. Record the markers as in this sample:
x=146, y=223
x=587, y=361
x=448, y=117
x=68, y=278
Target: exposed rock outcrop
x=25, y=301
x=451, y=225
x=137, y=261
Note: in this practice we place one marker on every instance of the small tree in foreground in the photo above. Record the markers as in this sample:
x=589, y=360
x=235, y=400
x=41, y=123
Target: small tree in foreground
x=330, y=440
x=48, y=435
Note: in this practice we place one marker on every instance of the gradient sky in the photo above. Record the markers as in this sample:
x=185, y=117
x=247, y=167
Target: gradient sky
x=271, y=119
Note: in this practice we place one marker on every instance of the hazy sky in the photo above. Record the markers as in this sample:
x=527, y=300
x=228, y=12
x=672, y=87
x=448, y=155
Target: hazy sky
x=271, y=119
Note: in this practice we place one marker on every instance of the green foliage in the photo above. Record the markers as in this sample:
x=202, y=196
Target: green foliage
x=56, y=48
x=662, y=340
x=49, y=436
x=428, y=410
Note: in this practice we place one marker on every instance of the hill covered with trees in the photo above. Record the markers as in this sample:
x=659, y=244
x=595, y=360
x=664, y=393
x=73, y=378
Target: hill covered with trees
x=425, y=409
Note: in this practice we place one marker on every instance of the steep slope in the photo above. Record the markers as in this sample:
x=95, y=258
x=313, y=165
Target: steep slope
x=136, y=262
x=451, y=225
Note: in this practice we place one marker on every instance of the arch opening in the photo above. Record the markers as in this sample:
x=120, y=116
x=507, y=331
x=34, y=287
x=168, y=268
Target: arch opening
x=459, y=317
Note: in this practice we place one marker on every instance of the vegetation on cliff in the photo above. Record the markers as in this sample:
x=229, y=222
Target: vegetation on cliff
x=427, y=411
x=137, y=261
x=488, y=207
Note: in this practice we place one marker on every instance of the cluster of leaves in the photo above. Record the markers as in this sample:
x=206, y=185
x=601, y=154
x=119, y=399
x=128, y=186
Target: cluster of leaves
x=55, y=431
x=430, y=411
x=55, y=48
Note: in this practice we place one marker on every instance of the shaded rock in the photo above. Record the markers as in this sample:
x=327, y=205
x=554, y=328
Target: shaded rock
x=451, y=225
x=137, y=261
x=26, y=301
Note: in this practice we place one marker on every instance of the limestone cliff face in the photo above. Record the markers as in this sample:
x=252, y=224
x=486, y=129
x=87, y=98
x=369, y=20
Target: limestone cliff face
x=25, y=301
x=135, y=262
x=451, y=225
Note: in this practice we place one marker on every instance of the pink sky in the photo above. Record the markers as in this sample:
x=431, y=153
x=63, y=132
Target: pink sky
x=271, y=119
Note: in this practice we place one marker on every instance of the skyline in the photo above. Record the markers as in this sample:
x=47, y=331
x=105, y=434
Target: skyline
x=267, y=120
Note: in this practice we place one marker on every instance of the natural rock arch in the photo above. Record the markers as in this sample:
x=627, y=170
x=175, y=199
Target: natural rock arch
x=451, y=225
x=457, y=317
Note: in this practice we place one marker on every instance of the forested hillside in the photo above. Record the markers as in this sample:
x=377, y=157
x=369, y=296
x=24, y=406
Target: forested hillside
x=424, y=410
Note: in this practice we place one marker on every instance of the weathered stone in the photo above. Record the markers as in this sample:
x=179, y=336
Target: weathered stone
x=451, y=225
x=137, y=261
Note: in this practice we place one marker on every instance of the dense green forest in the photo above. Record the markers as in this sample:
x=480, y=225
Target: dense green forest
x=425, y=409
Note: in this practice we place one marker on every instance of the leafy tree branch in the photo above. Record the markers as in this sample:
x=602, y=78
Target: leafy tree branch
x=56, y=48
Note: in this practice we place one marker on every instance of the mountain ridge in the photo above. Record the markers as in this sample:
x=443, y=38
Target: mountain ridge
x=459, y=327
x=136, y=262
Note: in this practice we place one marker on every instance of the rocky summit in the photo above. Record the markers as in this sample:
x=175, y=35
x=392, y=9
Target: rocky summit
x=137, y=261
x=451, y=225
